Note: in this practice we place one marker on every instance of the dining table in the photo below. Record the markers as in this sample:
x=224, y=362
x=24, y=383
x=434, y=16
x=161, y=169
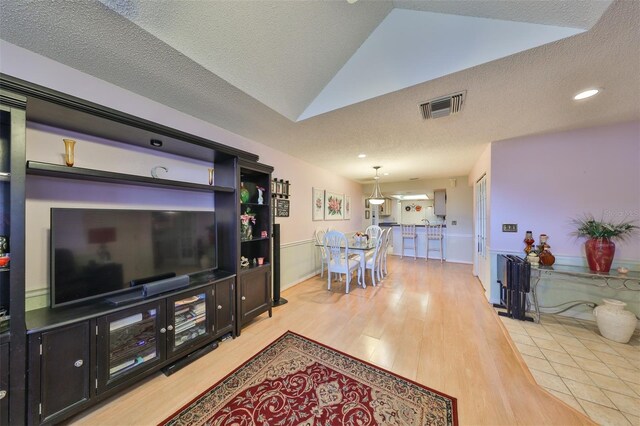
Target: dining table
x=359, y=246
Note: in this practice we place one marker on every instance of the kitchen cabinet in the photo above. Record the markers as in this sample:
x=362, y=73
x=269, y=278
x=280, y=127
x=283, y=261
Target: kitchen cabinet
x=440, y=202
x=384, y=209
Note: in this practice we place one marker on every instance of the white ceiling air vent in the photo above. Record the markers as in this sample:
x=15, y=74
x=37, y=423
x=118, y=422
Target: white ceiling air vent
x=443, y=106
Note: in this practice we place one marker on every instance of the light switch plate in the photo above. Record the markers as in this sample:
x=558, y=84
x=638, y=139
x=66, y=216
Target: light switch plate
x=509, y=227
x=454, y=222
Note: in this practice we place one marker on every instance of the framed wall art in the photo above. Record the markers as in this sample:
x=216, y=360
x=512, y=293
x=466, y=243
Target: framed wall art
x=347, y=207
x=317, y=204
x=334, y=206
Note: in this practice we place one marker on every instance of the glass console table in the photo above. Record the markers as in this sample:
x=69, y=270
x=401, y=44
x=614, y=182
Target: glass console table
x=612, y=279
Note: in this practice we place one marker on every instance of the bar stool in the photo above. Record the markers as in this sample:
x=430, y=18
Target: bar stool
x=409, y=231
x=433, y=232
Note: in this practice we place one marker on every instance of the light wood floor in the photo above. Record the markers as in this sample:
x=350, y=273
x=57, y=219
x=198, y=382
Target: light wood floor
x=428, y=322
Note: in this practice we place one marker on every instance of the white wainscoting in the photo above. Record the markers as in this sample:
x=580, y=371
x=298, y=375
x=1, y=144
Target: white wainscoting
x=299, y=261
x=459, y=248
x=36, y=299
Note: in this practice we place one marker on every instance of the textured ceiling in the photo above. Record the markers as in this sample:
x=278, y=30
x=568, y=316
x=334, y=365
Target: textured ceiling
x=526, y=93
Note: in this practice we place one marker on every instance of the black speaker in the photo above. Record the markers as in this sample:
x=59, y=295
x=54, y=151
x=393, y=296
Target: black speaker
x=277, y=300
x=162, y=286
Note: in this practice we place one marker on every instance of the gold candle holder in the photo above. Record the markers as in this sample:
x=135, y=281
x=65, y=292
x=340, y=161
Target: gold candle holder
x=211, y=176
x=69, y=145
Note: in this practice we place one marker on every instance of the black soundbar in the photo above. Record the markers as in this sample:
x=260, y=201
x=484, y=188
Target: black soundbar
x=146, y=280
x=162, y=286
x=182, y=362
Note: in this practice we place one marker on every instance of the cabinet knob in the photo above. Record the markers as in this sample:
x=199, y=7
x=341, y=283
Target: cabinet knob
x=3, y=393
x=163, y=330
x=244, y=298
x=219, y=306
x=78, y=363
x=170, y=328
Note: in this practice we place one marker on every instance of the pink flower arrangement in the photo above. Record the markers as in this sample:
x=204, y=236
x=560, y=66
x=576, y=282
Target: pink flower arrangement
x=248, y=216
x=334, y=205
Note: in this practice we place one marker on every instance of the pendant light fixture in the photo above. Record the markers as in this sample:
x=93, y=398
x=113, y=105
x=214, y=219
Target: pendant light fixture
x=376, y=195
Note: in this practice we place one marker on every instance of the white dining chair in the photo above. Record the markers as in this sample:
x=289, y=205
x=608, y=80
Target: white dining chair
x=372, y=262
x=434, y=233
x=386, y=237
x=409, y=232
x=319, y=237
x=373, y=231
x=338, y=260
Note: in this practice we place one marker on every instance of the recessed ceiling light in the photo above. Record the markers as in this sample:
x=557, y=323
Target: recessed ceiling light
x=586, y=94
x=385, y=174
x=362, y=155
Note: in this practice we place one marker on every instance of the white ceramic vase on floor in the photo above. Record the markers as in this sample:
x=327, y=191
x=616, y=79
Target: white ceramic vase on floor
x=614, y=322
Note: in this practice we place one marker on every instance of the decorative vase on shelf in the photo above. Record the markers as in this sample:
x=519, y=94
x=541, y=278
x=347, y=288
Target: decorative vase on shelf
x=614, y=322
x=69, y=148
x=260, y=199
x=244, y=194
x=246, y=231
x=247, y=220
x=600, y=252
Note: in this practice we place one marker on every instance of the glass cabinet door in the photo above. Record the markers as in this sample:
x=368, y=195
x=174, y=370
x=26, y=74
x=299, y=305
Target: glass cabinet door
x=129, y=342
x=189, y=321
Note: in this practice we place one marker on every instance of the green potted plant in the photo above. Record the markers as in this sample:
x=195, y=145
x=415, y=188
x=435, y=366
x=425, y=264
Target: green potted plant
x=599, y=246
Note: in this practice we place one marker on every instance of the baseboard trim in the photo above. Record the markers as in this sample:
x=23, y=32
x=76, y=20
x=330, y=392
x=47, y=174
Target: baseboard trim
x=301, y=280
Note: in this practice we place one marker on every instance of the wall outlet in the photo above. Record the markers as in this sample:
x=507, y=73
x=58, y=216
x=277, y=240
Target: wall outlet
x=509, y=227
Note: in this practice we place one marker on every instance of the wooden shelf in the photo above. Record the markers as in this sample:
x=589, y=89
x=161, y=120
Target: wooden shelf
x=255, y=204
x=78, y=173
x=253, y=268
x=255, y=239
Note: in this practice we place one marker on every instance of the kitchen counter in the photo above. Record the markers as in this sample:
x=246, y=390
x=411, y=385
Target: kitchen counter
x=421, y=242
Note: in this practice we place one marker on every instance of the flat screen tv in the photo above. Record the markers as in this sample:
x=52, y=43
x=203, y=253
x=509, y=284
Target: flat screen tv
x=97, y=252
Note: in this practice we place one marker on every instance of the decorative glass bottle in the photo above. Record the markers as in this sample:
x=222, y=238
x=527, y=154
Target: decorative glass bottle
x=528, y=240
x=244, y=194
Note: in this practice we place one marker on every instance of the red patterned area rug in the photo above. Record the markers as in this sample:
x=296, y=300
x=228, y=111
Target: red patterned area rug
x=298, y=382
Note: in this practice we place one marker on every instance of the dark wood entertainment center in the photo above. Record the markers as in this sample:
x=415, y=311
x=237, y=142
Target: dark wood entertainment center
x=56, y=362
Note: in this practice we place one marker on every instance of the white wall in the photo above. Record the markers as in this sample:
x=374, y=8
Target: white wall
x=297, y=229
x=541, y=182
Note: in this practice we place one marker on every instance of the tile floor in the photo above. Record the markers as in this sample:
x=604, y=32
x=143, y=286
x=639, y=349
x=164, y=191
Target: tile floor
x=569, y=358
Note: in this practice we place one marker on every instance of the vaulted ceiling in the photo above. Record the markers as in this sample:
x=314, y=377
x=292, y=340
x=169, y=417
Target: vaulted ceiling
x=328, y=80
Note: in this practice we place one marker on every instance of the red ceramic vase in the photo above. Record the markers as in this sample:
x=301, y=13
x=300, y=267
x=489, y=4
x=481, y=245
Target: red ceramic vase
x=600, y=253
